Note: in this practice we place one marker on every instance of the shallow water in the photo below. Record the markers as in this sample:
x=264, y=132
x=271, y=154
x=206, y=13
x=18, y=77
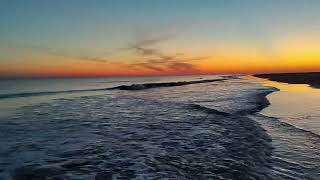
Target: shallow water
x=296, y=104
x=197, y=131
x=296, y=153
x=293, y=122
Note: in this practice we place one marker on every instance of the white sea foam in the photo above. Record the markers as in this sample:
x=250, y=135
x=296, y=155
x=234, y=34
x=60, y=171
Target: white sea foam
x=197, y=131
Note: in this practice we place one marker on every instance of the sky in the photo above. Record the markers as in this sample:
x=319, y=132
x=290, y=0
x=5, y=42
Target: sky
x=158, y=37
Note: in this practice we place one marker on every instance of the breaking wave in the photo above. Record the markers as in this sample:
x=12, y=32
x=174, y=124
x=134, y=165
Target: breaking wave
x=166, y=84
x=28, y=94
x=122, y=87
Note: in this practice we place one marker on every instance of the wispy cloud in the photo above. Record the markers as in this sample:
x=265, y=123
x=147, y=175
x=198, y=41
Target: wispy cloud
x=153, y=67
x=154, y=59
x=182, y=66
x=162, y=62
x=150, y=56
x=56, y=52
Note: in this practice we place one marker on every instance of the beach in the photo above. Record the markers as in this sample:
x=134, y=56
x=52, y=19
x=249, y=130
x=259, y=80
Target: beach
x=311, y=78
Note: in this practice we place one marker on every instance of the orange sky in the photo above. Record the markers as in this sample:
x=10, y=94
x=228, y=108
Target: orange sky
x=294, y=55
x=114, y=38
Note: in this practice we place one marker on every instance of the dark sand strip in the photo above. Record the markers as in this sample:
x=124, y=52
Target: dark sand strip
x=311, y=78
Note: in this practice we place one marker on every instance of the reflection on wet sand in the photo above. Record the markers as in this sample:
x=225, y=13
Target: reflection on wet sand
x=296, y=104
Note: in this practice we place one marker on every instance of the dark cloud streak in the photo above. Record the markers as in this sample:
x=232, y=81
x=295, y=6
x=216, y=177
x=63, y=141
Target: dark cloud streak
x=156, y=60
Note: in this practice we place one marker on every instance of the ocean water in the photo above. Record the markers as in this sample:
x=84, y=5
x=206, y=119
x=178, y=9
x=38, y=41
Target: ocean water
x=84, y=129
x=293, y=122
x=296, y=104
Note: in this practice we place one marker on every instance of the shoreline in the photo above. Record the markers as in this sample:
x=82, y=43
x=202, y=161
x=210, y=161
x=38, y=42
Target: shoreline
x=290, y=139
x=310, y=78
x=265, y=103
x=287, y=103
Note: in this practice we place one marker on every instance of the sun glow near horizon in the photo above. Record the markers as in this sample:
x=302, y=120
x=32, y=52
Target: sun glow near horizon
x=125, y=38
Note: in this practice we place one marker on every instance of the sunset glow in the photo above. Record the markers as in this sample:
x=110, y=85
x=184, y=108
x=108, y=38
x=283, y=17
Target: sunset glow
x=130, y=38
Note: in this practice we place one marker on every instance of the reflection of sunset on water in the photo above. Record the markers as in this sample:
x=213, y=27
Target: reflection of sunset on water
x=297, y=104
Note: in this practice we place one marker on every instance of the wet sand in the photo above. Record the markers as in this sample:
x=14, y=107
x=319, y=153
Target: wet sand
x=311, y=78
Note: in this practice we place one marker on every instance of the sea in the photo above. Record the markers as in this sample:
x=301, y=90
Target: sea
x=222, y=127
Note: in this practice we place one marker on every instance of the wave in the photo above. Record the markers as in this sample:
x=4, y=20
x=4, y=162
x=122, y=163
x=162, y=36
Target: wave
x=285, y=124
x=134, y=87
x=28, y=94
x=299, y=129
x=261, y=101
x=122, y=87
x=207, y=110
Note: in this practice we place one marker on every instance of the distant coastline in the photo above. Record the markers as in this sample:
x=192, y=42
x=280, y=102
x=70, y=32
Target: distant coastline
x=311, y=78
